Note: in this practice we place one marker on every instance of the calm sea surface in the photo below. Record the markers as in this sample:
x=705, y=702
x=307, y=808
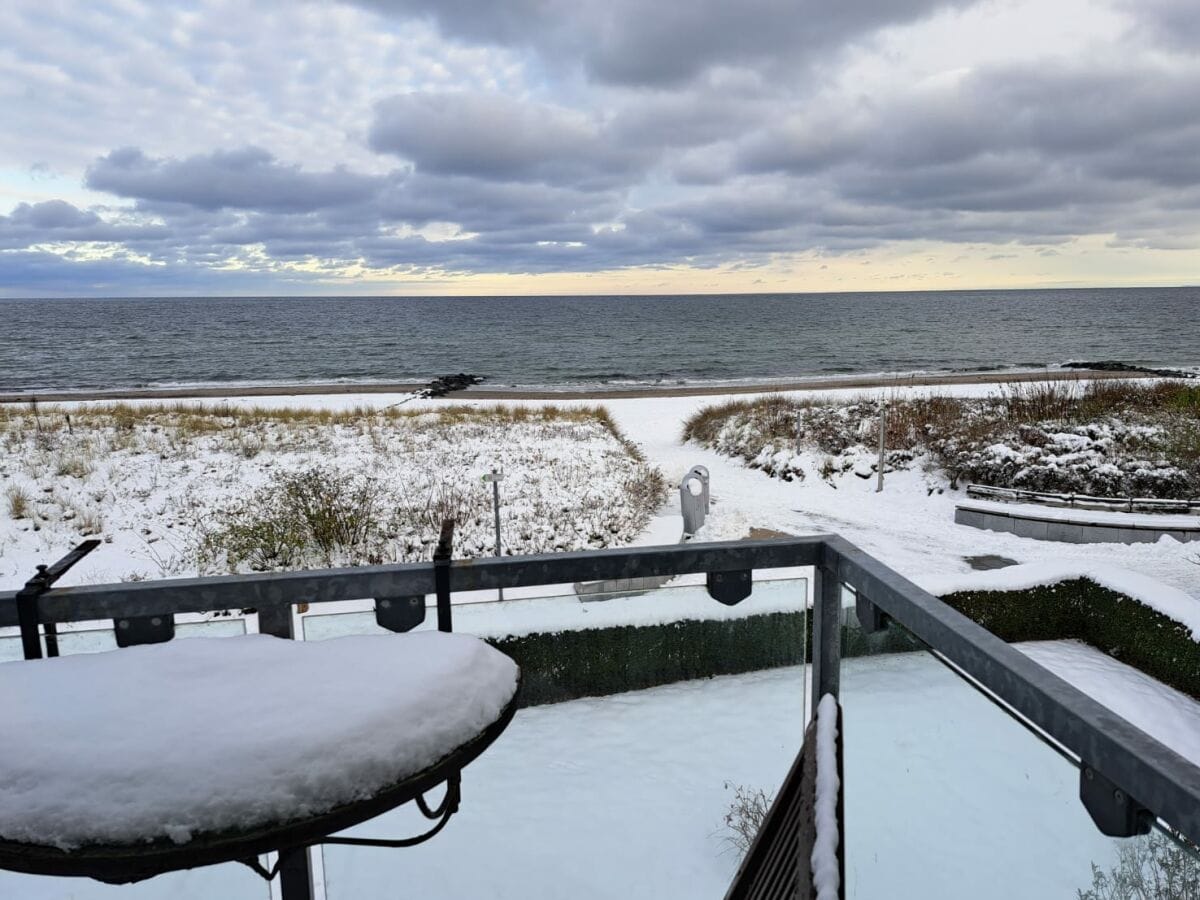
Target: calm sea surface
x=576, y=342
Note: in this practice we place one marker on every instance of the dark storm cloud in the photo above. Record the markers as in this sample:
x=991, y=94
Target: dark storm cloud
x=632, y=42
x=1004, y=141
x=54, y=275
x=247, y=178
x=54, y=221
x=703, y=134
x=500, y=138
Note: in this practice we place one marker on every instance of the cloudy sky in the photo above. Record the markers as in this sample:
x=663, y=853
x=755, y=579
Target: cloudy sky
x=593, y=146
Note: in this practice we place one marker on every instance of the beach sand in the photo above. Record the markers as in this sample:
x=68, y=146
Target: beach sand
x=706, y=390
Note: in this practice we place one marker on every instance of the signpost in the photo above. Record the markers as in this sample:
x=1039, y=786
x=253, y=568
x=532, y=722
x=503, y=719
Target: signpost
x=494, y=478
x=882, y=444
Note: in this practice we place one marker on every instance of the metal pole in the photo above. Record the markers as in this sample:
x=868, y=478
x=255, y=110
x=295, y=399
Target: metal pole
x=495, y=477
x=882, y=440
x=826, y=634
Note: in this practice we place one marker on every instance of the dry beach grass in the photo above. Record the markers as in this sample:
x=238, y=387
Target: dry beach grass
x=191, y=488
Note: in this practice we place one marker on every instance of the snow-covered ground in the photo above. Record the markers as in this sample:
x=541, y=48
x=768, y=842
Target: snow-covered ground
x=623, y=796
x=631, y=788
x=174, y=494
x=906, y=526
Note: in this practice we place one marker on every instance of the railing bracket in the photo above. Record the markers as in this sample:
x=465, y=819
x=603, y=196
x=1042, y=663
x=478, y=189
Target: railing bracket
x=134, y=630
x=400, y=613
x=1115, y=813
x=730, y=588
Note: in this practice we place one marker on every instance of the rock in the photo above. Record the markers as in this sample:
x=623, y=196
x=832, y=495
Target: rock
x=1114, y=366
x=445, y=384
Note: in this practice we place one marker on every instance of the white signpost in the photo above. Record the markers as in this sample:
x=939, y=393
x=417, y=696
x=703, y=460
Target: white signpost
x=494, y=478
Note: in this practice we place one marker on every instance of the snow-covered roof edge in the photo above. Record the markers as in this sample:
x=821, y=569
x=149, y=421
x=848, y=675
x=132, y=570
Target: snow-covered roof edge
x=1162, y=598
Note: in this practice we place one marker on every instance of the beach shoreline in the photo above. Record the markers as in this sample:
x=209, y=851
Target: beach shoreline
x=683, y=390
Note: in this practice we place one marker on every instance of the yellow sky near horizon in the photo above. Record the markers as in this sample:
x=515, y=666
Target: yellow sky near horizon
x=1085, y=262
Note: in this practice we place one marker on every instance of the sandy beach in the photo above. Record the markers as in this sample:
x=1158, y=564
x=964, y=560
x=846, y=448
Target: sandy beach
x=704, y=390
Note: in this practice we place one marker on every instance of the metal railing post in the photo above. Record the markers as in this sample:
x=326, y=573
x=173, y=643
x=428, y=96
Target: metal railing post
x=826, y=633
x=442, y=557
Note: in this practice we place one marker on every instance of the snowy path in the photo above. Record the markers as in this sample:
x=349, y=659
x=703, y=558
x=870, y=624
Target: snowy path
x=905, y=526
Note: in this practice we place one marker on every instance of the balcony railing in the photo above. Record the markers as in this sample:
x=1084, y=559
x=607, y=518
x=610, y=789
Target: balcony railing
x=1127, y=781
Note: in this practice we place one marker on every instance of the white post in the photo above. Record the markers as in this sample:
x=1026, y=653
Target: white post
x=495, y=477
x=882, y=442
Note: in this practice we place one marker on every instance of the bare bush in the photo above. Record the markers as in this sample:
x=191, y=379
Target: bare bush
x=315, y=515
x=1151, y=868
x=745, y=816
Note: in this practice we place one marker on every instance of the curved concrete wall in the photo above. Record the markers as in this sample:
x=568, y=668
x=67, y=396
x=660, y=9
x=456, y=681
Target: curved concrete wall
x=1075, y=526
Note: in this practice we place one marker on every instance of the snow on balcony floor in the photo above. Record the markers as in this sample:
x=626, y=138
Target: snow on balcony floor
x=623, y=797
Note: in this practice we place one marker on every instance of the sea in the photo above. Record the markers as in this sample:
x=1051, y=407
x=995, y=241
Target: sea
x=583, y=342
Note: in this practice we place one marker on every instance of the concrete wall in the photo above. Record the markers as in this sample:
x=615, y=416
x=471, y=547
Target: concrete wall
x=1073, y=532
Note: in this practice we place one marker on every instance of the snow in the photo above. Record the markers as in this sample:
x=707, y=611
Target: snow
x=623, y=796
x=203, y=734
x=1004, y=809
x=825, y=871
x=1165, y=522
x=156, y=490
x=1171, y=602
x=1164, y=713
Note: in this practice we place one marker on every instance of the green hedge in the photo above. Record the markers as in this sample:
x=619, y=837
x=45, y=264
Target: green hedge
x=596, y=662
x=570, y=664
x=1083, y=610
x=593, y=663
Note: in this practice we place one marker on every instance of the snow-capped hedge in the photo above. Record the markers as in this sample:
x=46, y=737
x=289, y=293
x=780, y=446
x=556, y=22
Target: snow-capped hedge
x=1080, y=609
x=1105, y=440
x=1104, y=459
x=564, y=665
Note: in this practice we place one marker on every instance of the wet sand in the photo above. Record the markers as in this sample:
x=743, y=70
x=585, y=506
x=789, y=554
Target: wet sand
x=474, y=393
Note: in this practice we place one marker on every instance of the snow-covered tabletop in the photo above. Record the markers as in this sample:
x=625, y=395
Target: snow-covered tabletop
x=206, y=735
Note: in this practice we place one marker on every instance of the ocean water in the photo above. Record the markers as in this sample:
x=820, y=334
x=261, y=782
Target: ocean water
x=581, y=342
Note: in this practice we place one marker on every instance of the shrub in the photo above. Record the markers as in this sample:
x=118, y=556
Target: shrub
x=1106, y=438
x=746, y=813
x=1153, y=867
x=20, y=501
x=314, y=515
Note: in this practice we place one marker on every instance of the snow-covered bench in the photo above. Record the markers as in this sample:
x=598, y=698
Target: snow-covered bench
x=124, y=764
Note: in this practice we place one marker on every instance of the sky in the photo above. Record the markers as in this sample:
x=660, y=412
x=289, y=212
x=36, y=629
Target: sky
x=596, y=146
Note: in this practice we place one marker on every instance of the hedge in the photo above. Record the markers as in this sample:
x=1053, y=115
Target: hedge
x=1083, y=610
x=595, y=662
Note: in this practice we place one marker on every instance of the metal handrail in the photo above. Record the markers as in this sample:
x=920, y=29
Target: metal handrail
x=1147, y=775
x=1083, y=501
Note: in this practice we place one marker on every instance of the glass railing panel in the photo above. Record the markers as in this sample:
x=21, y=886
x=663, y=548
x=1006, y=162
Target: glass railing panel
x=620, y=795
x=96, y=637
x=947, y=795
